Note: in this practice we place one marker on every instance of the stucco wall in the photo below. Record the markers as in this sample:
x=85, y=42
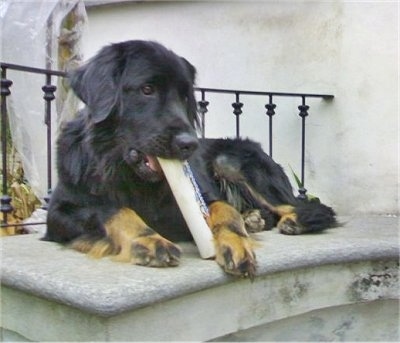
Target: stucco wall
x=345, y=49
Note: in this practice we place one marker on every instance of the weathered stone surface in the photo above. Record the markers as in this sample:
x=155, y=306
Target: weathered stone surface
x=52, y=293
x=107, y=288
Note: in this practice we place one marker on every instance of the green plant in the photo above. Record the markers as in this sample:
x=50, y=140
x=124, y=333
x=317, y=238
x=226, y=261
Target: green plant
x=299, y=184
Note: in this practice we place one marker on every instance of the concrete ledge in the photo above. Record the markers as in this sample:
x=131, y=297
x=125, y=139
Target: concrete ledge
x=52, y=293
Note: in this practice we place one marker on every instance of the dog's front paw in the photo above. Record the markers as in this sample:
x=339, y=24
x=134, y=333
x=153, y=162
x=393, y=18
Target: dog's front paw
x=133, y=241
x=234, y=253
x=234, y=248
x=150, y=250
x=155, y=251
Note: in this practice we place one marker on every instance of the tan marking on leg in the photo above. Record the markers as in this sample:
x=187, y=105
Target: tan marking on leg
x=101, y=248
x=122, y=228
x=283, y=210
x=129, y=239
x=289, y=225
x=234, y=247
x=222, y=215
x=137, y=243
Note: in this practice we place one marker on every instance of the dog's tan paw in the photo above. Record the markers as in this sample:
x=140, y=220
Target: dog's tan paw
x=155, y=251
x=152, y=251
x=288, y=225
x=234, y=253
x=253, y=221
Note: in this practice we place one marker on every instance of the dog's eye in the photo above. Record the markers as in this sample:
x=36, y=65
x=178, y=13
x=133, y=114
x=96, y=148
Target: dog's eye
x=148, y=89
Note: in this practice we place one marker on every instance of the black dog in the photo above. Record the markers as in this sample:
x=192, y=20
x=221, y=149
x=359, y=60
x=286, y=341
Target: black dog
x=111, y=192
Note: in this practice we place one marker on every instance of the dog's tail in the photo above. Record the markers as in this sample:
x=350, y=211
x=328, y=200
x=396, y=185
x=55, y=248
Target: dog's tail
x=292, y=219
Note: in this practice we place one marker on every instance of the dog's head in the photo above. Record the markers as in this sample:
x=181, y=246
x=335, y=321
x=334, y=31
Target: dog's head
x=140, y=103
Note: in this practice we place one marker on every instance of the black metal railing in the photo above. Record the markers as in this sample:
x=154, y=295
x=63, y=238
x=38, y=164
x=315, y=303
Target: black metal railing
x=48, y=96
x=49, y=90
x=270, y=107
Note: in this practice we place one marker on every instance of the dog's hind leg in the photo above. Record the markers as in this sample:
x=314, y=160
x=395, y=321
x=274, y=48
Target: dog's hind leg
x=296, y=219
x=305, y=217
x=291, y=216
x=234, y=247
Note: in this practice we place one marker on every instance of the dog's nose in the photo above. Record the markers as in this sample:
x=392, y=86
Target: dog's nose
x=185, y=144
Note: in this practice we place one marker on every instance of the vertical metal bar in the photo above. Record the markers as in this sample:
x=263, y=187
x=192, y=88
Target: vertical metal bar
x=4, y=128
x=48, y=90
x=303, y=114
x=237, y=111
x=5, y=200
x=303, y=143
x=237, y=117
x=270, y=136
x=203, y=117
x=270, y=112
x=203, y=110
x=48, y=123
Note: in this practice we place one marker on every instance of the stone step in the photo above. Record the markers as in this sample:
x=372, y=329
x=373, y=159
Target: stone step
x=53, y=293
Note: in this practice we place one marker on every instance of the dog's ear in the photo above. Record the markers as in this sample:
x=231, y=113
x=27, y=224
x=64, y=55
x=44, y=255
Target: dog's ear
x=192, y=105
x=191, y=68
x=94, y=83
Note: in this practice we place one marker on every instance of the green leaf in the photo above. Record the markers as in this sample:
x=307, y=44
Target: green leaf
x=298, y=182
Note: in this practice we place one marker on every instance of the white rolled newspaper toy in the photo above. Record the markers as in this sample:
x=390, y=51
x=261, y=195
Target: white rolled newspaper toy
x=190, y=202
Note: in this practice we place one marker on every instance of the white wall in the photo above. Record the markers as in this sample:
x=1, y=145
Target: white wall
x=348, y=49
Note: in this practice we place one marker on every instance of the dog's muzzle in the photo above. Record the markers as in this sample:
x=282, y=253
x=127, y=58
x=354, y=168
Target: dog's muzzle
x=183, y=145
x=146, y=167
x=143, y=161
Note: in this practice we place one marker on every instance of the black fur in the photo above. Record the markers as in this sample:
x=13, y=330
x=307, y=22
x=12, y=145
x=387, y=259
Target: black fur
x=140, y=104
x=238, y=165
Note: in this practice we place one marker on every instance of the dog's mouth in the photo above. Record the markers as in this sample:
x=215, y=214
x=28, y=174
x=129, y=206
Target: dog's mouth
x=143, y=160
x=151, y=162
x=146, y=167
